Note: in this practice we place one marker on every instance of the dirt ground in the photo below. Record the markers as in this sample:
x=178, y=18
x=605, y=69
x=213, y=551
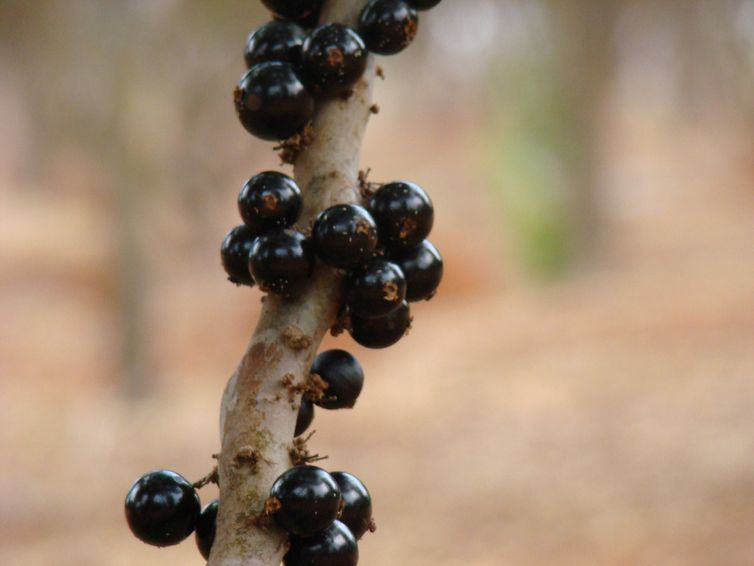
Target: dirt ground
x=606, y=419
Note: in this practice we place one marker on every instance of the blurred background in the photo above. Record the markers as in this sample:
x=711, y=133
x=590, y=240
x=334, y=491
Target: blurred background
x=580, y=392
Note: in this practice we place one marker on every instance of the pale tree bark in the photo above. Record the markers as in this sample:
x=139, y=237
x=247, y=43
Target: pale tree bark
x=257, y=416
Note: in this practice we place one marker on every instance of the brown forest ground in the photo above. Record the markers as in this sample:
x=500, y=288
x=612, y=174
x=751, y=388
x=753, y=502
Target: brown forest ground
x=606, y=419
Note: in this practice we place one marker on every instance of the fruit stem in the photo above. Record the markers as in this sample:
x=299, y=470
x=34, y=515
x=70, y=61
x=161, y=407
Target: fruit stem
x=257, y=415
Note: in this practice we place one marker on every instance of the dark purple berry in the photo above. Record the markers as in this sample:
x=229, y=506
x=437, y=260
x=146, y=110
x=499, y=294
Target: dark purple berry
x=281, y=261
x=162, y=508
x=383, y=331
x=333, y=58
x=344, y=235
x=305, y=417
x=234, y=253
x=206, y=527
x=357, y=503
x=309, y=500
x=404, y=214
x=375, y=289
x=335, y=546
x=297, y=10
x=269, y=200
x=278, y=40
x=344, y=378
x=423, y=4
x=388, y=26
x=422, y=267
x=272, y=102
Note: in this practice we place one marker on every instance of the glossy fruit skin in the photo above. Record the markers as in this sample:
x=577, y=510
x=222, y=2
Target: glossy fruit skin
x=206, y=527
x=357, y=503
x=381, y=332
x=404, y=214
x=345, y=235
x=162, y=508
x=375, y=289
x=305, y=417
x=309, y=500
x=423, y=269
x=281, y=261
x=272, y=102
x=344, y=376
x=388, y=26
x=423, y=4
x=278, y=40
x=333, y=58
x=234, y=253
x=269, y=200
x=297, y=10
x=335, y=546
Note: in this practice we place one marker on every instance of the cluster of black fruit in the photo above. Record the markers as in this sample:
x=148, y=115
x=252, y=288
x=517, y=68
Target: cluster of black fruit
x=292, y=60
x=381, y=247
x=325, y=513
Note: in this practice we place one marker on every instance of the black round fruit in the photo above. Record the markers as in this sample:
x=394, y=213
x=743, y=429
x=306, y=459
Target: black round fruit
x=234, y=253
x=309, y=500
x=344, y=377
x=281, y=261
x=333, y=58
x=357, y=503
x=423, y=4
x=270, y=200
x=298, y=10
x=345, y=235
x=162, y=508
x=388, y=26
x=335, y=546
x=375, y=289
x=423, y=268
x=278, y=40
x=272, y=102
x=381, y=332
x=206, y=527
x=404, y=214
x=305, y=417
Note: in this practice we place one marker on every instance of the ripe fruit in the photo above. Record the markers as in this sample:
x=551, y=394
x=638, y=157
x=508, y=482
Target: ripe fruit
x=357, y=503
x=335, y=546
x=281, y=261
x=294, y=9
x=278, y=40
x=333, y=58
x=344, y=377
x=344, y=235
x=269, y=200
x=272, y=102
x=162, y=508
x=234, y=253
x=423, y=4
x=383, y=331
x=305, y=417
x=404, y=214
x=375, y=289
x=422, y=267
x=388, y=26
x=206, y=527
x=309, y=500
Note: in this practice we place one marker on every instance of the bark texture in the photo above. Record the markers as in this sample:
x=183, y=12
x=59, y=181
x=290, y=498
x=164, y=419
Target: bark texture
x=257, y=416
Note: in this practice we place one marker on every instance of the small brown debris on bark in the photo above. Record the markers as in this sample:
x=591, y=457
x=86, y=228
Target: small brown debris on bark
x=300, y=453
x=212, y=477
x=380, y=72
x=247, y=456
x=372, y=526
x=374, y=108
x=289, y=150
x=367, y=188
x=316, y=387
x=295, y=339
